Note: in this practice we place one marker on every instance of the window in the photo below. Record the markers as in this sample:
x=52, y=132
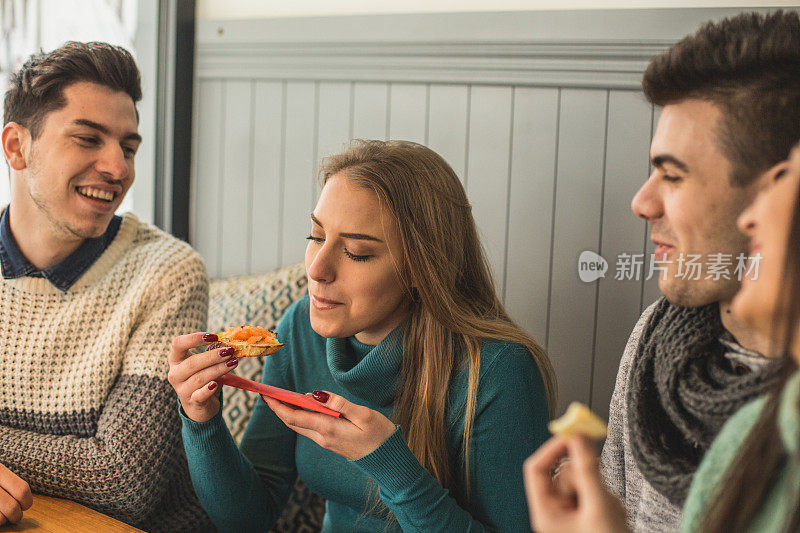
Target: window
x=27, y=26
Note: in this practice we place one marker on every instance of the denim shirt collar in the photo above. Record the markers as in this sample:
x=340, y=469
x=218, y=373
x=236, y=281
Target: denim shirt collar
x=64, y=274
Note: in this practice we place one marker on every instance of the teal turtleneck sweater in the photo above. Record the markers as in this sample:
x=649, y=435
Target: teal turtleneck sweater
x=245, y=488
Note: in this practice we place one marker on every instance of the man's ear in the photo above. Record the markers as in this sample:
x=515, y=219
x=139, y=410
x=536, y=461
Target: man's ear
x=16, y=139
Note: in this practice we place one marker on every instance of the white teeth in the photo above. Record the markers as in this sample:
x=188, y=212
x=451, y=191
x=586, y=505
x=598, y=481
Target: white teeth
x=96, y=193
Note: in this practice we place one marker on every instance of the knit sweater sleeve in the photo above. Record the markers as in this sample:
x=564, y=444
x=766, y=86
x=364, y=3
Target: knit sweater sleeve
x=612, y=459
x=245, y=489
x=510, y=424
x=133, y=466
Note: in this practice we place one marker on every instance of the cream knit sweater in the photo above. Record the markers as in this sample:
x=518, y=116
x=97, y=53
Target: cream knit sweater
x=86, y=412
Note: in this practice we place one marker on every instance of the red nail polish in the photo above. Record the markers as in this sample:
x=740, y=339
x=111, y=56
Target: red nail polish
x=212, y=385
x=225, y=352
x=232, y=362
x=210, y=337
x=320, y=396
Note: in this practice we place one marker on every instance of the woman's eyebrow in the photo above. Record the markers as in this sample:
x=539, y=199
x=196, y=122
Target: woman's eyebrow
x=358, y=236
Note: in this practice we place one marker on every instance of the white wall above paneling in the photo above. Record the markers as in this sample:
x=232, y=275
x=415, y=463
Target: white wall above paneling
x=231, y=9
x=590, y=49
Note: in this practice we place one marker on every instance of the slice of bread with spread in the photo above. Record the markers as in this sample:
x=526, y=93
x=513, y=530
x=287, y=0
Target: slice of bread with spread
x=578, y=420
x=249, y=341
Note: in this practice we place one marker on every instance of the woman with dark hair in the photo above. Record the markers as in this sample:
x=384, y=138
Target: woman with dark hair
x=443, y=395
x=750, y=478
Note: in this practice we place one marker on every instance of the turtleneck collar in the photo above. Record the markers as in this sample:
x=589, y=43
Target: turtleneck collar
x=369, y=372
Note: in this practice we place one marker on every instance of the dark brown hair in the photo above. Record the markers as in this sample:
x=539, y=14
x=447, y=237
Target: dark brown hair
x=38, y=87
x=740, y=493
x=749, y=67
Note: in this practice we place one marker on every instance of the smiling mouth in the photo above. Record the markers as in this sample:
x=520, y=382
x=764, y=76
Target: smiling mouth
x=96, y=194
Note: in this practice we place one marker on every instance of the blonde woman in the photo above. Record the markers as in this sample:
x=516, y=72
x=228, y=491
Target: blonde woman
x=443, y=396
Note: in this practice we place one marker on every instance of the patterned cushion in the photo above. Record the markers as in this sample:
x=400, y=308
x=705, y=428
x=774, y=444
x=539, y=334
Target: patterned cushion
x=261, y=300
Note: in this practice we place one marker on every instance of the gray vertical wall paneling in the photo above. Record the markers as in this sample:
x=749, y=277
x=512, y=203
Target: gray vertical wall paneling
x=268, y=119
x=533, y=157
x=315, y=158
x=577, y=212
x=629, y=126
x=333, y=129
x=651, y=292
x=237, y=148
x=447, y=124
x=208, y=161
x=298, y=173
x=488, y=163
x=408, y=112
x=370, y=110
x=251, y=202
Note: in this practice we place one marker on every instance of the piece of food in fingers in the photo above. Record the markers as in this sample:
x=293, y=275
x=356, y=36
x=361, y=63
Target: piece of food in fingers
x=248, y=341
x=578, y=420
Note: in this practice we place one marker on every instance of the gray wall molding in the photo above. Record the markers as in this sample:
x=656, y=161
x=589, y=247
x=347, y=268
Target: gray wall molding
x=555, y=64
x=581, y=49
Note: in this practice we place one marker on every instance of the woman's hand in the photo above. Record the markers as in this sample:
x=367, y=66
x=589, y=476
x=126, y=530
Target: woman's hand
x=192, y=376
x=581, y=503
x=360, y=432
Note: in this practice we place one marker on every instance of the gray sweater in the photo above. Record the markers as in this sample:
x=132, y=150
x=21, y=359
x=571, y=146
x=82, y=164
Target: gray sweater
x=648, y=510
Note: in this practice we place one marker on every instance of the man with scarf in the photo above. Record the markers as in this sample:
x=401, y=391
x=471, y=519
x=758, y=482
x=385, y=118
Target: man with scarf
x=729, y=114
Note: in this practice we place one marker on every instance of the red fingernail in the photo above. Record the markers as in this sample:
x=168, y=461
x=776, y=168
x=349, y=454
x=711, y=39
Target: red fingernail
x=212, y=385
x=210, y=337
x=320, y=396
x=232, y=362
x=225, y=352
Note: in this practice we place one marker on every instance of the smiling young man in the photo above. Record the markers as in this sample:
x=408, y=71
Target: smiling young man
x=89, y=302
x=731, y=111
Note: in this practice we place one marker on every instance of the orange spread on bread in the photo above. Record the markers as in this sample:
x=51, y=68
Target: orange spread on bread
x=250, y=341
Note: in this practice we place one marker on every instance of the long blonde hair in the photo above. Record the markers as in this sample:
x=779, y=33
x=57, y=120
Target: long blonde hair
x=453, y=302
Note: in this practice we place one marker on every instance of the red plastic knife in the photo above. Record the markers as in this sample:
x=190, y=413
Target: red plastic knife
x=283, y=395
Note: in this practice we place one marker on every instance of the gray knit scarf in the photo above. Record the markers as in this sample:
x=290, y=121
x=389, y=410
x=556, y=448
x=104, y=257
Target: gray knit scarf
x=682, y=391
